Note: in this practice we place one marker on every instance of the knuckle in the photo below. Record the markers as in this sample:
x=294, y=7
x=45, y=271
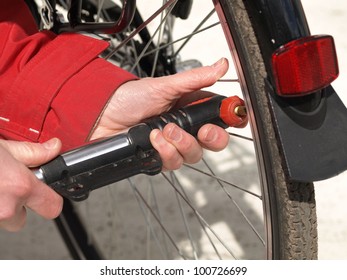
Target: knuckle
x=186, y=145
x=11, y=220
x=191, y=151
x=7, y=214
x=21, y=187
x=30, y=149
x=195, y=157
x=174, y=162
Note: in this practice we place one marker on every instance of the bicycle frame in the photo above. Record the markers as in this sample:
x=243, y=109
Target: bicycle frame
x=312, y=129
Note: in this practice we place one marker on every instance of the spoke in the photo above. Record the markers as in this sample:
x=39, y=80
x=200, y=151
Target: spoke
x=200, y=217
x=141, y=198
x=224, y=181
x=142, y=54
x=229, y=80
x=141, y=27
x=141, y=201
x=195, y=30
x=159, y=216
x=236, y=204
x=240, y=136
x=149, y=228
x=117, y=216
x=137, y=66
x=189, y=233
x=154, y=67
x=181, y=39
x=100, y=5
x=64, y=5
x=197, y=217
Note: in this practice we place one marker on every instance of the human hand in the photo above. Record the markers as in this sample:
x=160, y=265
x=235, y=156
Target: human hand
x=19, y=188
x=137, y=100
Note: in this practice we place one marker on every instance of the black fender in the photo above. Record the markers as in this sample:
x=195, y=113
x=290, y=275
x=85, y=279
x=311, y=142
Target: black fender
x=312, y=129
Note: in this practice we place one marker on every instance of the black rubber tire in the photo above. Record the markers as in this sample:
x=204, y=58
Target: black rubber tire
x=291, y=205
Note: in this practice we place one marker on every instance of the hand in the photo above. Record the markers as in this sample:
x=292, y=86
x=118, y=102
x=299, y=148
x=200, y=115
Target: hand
x=19, y=188
x=137, y=100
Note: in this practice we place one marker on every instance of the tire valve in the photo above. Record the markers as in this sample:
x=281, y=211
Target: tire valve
x=240, y=111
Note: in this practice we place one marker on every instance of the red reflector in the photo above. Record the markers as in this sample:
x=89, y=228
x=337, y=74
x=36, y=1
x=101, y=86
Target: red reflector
x=305, y=65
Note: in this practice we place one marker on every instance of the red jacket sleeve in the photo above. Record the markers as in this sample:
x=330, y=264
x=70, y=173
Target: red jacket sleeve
x=50, y=86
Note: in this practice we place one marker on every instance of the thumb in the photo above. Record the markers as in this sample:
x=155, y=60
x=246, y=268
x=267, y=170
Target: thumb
x=33, y=154
x=195, y=79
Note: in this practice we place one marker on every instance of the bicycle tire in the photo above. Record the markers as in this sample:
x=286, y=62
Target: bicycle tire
x=289, y=207
x=294, y=211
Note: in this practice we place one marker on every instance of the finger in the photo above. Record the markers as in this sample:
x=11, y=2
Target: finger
x=44, y=201
x=213, y=137
x=33, y=154
x=13, y=219
x=186, y=144
x=171, y=158
x=193, y=80
x=24, y=190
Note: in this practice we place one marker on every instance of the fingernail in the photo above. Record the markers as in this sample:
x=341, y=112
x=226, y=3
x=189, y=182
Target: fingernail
x=211, y=135
x=218, y=63
x=175, y=134
x=158, y=138
x=50, y=144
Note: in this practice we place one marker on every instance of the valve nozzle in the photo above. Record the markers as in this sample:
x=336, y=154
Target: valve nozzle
x=233, y=112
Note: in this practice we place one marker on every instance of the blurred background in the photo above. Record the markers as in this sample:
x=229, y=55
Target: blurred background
x=324, y=17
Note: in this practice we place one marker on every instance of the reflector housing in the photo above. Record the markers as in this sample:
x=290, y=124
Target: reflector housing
x=305, y=65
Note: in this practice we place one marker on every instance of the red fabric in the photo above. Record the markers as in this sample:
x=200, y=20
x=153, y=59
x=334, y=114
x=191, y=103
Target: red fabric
x=50, y=86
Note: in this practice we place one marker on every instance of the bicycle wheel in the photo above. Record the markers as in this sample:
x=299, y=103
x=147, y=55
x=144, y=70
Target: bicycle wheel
x=237, y=204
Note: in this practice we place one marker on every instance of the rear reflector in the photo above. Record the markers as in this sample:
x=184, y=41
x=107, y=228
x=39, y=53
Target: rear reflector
x=305, y=65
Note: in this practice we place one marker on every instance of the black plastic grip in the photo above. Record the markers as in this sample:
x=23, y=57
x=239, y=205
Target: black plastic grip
x=192, y=117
